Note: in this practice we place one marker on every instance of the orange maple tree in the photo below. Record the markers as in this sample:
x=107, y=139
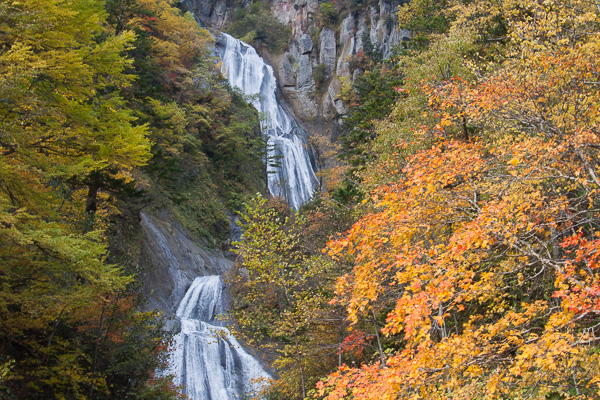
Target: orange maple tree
x=485, y=247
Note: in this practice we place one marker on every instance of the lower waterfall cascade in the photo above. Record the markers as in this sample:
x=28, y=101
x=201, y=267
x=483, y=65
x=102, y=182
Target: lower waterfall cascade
x=207, y=361
x=295, y=178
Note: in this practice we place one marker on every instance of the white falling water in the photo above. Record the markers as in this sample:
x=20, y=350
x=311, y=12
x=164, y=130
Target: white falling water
x=207, y=360
x=295, y=178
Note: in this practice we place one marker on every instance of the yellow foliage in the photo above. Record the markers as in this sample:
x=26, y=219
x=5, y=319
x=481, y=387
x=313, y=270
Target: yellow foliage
x=485, y=241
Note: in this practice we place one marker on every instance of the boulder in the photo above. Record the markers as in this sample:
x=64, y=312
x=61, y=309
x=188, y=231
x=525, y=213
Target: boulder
x=305, y=78
x=305, y=44
x=328, y=48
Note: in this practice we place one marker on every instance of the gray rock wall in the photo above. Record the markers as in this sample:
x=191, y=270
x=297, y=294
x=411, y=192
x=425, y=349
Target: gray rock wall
x=317, y=106
x=210, y=13
x=172, y=260
x=328, y=50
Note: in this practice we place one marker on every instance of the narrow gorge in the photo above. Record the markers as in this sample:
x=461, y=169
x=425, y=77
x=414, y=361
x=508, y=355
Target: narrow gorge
x=207, y=361
x=299, y=199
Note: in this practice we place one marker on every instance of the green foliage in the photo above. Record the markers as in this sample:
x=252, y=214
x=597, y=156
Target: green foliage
x=370, y=99
x=257, y=25
x=236, y=149
x=280, y=294
x=346, y=192
x=424, y=17
x=89, y=96
x=67, y=130
x=206, y=153
x=320, y=76
x=371, y=52
x=327, y=16
x=209, y=161
x=373, y=96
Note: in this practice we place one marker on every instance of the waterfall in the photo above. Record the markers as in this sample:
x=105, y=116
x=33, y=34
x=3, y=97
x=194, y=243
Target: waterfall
x=207, y=360
x=294, y=177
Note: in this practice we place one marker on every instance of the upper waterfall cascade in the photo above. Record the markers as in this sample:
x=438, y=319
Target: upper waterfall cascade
x=294, y=178
x=207, y=360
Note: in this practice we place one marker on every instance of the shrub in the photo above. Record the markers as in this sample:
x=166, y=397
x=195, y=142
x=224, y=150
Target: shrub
x=328, y=15
x=320, y=75
x=257, y=24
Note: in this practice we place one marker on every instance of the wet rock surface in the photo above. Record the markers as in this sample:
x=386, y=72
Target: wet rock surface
x=172, y=261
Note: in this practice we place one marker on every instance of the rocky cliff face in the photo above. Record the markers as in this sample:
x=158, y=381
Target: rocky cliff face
x=317, y=51
x=211, y=13
x=311, y=71
x=172, y=261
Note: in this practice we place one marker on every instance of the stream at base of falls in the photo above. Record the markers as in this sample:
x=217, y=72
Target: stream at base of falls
x=207, y=361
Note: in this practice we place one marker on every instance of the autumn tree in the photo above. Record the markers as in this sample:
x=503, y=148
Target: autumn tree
x=280, y=297
x=206, y=146
x=65, y=129
x=484, y=238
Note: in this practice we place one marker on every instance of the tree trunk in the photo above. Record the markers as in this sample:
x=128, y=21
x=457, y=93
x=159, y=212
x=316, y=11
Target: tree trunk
x=381, y=355
x=95, y=363
x=298, y=354
x=91, y=202
x=299, y=359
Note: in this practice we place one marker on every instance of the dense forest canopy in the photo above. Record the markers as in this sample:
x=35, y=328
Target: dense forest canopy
x=106, y=107
x=470, y=270
x=452, y=251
